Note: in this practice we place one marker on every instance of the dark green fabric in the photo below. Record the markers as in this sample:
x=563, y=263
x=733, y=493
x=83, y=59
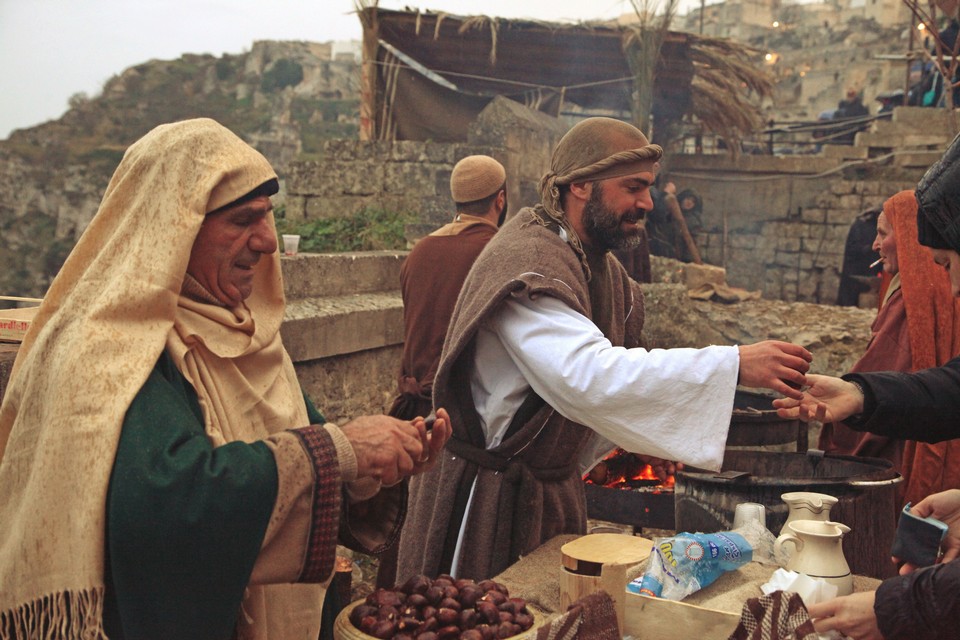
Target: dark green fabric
x=185, y=521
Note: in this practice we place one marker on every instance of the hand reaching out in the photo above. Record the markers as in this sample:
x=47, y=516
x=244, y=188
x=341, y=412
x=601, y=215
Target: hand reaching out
x=827, y=399
x=851, y=615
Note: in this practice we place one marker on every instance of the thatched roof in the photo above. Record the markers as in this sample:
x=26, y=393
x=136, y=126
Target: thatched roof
x=493, y=55
x=582, y=63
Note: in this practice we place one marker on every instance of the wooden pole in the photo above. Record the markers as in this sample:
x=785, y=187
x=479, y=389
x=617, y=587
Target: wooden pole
x=368, y=73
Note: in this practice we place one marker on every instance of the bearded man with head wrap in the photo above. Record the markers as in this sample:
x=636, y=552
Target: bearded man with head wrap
x=542, y=367
x=160, y=477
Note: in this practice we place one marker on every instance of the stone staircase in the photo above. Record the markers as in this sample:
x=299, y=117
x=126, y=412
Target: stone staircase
x=340, y=303
x=343, y=328
x=914, y=137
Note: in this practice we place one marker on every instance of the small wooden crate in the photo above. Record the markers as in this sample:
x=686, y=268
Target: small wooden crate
x=646, y=617
x=15, y=322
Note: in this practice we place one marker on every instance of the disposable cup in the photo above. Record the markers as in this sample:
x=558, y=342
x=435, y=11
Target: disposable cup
x=290, y=244
x=747, y=511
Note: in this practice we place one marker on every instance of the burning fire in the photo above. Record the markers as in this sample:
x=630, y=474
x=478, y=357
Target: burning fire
x=624, y=470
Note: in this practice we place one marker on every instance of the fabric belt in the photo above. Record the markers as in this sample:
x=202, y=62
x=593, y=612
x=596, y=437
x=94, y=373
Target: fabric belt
x=486, y=459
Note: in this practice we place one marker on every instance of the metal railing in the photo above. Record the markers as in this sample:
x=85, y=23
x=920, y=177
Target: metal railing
x=787, y=138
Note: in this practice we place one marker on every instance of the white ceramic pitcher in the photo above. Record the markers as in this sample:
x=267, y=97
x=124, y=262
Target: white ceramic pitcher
x=806, y=505
x=819, y=552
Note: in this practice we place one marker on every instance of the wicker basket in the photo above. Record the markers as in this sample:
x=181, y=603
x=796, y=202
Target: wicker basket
x=343, y=629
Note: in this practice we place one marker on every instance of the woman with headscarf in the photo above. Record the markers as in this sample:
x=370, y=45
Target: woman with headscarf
x=923, y=406
x=917, y=327
x=159, y=477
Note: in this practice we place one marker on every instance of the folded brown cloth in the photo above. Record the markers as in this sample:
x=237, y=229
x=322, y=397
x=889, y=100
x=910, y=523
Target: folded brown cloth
x=592, y=617
x=780, y=615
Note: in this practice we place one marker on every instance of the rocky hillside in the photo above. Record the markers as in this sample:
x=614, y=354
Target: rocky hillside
x=285, y=98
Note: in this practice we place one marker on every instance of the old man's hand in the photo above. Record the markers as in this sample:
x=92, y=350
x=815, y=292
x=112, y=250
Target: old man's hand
x=390, y=449
x=775, y=365
x=387, y=449
x=432, y=439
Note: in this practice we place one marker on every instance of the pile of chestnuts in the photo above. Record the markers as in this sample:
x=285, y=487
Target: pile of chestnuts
x=442, y=609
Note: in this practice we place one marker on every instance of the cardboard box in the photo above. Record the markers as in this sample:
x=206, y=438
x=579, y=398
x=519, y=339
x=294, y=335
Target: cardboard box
x=646, y=617
x=15, y=322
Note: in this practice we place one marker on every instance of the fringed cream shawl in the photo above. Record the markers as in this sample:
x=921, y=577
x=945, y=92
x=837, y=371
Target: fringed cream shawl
x=104, y=322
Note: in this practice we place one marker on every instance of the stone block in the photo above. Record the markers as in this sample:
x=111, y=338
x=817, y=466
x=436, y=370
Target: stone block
x=814, y=215
x=838, y=232
x=442, y=183
x=408, y=178
x=808, y=286
x=743, y=241
x=852, y=202
x=316, y=275
x=295, y=208
x=408, y=151
x=844, y=152
x=345, y=205
x=322, y=327
x=830, y=258
x=843, y=216
x=917, y=158
x=440, y=152
x=926, y=138
x=841, y=187
x=825, y=200
x=917, y=116
x=788, y=259
x=877, y=141
x=791, y=244
x=695, y=275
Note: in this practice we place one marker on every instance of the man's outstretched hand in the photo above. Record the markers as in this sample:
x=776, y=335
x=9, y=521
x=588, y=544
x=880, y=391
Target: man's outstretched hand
x=771, y=364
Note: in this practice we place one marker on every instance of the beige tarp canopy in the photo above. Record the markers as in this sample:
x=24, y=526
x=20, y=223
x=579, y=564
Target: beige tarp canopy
x=428, y=75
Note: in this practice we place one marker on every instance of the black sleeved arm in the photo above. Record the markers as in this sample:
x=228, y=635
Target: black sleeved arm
x=922, y=604
x=923, y=406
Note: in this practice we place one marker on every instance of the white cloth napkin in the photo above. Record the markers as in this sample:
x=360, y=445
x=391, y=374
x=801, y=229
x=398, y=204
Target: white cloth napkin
x=810, y=590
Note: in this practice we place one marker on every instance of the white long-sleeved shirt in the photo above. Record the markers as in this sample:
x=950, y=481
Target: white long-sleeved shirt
x=673, y=404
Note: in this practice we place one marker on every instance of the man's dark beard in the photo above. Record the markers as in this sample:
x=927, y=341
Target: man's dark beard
x=603, y=225
x=503, y=211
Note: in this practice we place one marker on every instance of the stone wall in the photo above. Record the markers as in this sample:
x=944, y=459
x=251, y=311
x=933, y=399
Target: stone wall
x=344, y=319
x=798, y=257
x=779, y=224
x=415, y=176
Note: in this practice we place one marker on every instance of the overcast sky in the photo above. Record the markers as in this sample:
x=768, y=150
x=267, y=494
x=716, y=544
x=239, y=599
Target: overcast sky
x=52, y=49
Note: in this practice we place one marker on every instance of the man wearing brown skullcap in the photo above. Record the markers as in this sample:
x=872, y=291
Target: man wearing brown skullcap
x=430, y=280
x=542, y=368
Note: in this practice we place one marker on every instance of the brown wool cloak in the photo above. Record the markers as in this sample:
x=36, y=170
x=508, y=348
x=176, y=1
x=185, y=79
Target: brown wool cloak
x=528, y=489
x=430, y=280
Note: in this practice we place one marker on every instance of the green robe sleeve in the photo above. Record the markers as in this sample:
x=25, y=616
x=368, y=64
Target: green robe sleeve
x=185, y=521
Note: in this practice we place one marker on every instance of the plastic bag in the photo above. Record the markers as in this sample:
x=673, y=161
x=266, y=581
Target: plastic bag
x=687, y=562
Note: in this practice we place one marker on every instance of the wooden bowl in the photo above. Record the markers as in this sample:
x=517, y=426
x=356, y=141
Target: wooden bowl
x=343, y=629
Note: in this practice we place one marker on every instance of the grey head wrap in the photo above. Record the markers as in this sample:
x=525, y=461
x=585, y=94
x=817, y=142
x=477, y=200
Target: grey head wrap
x=594, y=149
x=938, y=201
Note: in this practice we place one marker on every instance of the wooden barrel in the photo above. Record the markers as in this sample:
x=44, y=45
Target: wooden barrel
x=866, y=490
x=755, y=425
